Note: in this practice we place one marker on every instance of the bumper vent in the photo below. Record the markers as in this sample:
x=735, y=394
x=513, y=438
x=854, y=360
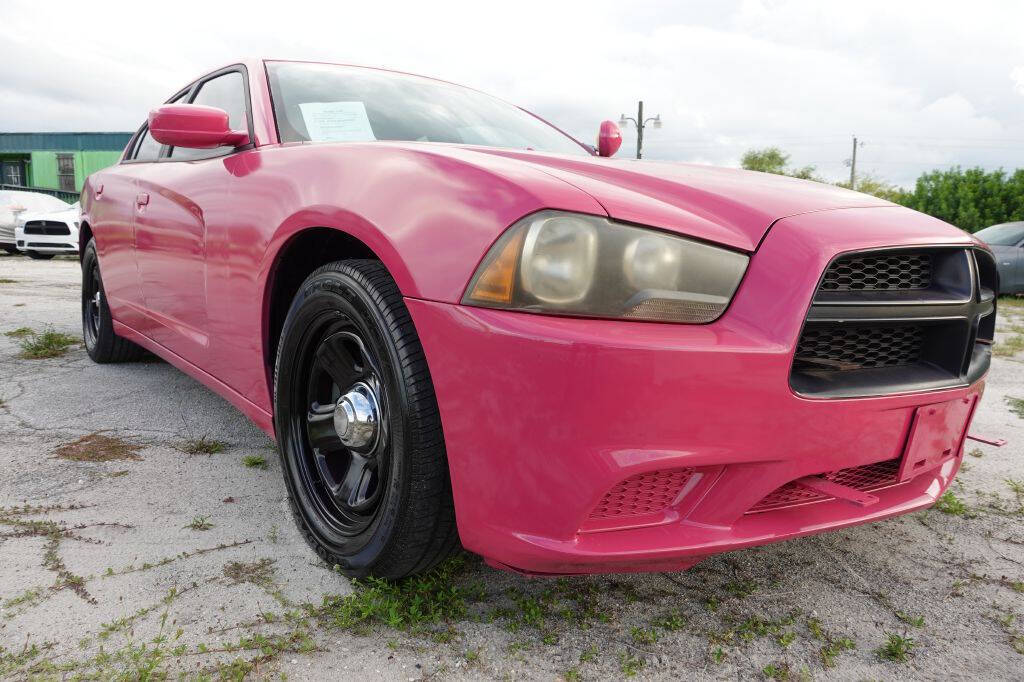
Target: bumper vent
x=846, y=348
x=643, y=494
x=864, y=478
x=879, y=272
x=898, y=320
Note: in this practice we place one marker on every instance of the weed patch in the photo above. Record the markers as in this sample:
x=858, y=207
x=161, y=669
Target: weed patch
x=409, y=604
x=951, y=504
x=896, y=648
x=259, y=573
x=203, y=446
x=19, y=333
x=254, y=462
x=1009, y=346
x=47, y=344
x=96, y=447
x=1016, y=405
x=199, y=523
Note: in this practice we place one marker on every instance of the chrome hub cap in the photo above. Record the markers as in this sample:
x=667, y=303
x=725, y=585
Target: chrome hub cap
x=356, y=417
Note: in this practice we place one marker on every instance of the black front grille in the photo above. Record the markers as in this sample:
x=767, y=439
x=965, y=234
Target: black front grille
x=839, y=348
x=46, y=227
x=890, y=321
x=881, y=272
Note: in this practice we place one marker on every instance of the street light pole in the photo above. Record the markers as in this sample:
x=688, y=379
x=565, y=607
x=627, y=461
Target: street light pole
x=640, y=124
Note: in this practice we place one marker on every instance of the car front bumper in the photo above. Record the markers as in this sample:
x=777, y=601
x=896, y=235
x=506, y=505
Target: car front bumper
x=544, y=418
x=47, y=243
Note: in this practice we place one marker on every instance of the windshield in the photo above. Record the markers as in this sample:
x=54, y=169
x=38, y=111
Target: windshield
x=1006, y=234
x=330, y=103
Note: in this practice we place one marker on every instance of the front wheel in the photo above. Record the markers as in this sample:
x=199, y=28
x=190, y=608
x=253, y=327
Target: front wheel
x=358, y=427
x=101, y=343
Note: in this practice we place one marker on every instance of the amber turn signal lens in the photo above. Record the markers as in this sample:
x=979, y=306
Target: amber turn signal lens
x=495, y=283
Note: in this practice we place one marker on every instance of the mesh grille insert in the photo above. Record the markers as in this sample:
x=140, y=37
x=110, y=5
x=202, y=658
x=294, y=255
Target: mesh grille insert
x=892, y=271
x=845, y=348
x=46, y=227
x=864, y=478
x=642, y=494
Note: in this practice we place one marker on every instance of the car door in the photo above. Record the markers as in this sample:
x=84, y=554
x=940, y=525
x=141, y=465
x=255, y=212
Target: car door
x=177, y=202
x=110, y=205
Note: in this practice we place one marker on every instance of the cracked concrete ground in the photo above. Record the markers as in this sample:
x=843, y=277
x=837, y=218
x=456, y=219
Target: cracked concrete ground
x=188, y=564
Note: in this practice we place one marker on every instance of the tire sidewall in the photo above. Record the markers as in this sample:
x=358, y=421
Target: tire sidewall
x=90, y=260
x=326, y=295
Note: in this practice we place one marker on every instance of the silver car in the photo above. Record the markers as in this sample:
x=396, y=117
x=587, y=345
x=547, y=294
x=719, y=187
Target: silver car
x=1007, y=242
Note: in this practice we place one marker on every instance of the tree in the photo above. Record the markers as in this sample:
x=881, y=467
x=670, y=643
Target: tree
x=774, y=160
x=970, y=199
x=869, y=184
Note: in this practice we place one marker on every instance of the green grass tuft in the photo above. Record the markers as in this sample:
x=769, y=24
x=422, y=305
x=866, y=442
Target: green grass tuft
x=629, y=664
x=951, y=504
x=199, y=523
x=896, y=648
x=1016, y=406
x=409, y=604
x=48, y=344
x=254, y=462
x=203, y=446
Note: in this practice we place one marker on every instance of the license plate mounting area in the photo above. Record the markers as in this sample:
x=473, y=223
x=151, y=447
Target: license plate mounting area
x=936, y=435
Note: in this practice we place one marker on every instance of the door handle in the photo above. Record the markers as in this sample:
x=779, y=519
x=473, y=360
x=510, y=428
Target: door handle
x=99, y=191
x=141, y=199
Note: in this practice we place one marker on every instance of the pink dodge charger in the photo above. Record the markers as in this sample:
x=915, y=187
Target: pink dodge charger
x=461, y=324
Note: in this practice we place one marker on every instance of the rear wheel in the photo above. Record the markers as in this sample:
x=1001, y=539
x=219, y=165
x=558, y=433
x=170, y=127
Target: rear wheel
x=358, y=427
x=35, y=255
x=102, y=344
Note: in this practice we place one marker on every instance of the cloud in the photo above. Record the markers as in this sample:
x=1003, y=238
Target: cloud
x=1017, y=75
x=922, y=83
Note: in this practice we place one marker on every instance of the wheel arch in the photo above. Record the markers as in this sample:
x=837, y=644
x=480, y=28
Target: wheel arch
x=302, y=244
x=84, y=235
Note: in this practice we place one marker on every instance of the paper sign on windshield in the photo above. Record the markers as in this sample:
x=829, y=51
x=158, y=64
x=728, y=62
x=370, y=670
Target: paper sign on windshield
x=336, y=121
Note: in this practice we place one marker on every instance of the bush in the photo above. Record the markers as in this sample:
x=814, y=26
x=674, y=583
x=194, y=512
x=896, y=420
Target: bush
x=970, y=199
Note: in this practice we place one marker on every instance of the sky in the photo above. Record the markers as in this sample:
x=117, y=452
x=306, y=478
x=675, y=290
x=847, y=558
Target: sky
x=923, y=85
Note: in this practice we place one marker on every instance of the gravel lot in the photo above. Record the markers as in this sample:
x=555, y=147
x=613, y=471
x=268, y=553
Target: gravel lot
x=126, y=555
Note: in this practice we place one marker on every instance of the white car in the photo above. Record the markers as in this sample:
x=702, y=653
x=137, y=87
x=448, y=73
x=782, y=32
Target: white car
x=15, y=206
x=44, y=235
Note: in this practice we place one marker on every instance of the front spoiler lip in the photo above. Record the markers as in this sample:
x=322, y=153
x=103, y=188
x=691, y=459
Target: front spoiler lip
x=552, y=558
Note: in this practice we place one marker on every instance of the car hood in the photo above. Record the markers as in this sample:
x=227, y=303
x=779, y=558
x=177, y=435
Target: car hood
x=728, y=206
x=67, y=215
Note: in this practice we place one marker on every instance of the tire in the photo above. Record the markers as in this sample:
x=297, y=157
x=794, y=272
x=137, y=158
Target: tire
x=379, y=502
x=101, y=343
x=11, y=250
x=35, y=255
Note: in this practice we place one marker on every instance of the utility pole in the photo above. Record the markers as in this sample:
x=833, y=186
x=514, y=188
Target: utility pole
x=853, y=165
x=639, y=128
x=640, y=125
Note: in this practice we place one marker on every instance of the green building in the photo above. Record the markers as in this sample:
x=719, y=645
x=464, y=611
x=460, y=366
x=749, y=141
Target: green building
x=56, y=161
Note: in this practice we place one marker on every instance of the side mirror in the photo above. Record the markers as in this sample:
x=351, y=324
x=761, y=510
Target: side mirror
x=609, y=139
x=194, y=126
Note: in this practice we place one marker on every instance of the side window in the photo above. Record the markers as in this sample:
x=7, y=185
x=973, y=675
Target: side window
x=147, y=149
x=225, y=92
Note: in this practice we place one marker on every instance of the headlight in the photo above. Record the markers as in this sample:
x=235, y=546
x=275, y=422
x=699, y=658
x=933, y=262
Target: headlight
x=573, y=264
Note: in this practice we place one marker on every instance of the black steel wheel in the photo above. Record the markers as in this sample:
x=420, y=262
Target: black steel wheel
x=101, y=343
x=358, y=428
